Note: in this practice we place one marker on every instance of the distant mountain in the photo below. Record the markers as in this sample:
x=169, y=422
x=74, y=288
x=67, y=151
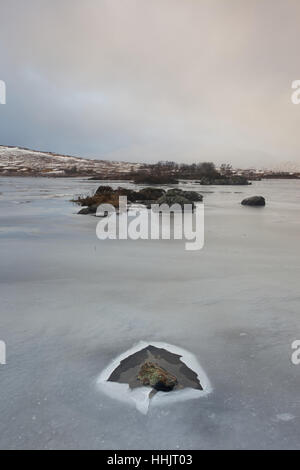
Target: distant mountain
x=18, y=161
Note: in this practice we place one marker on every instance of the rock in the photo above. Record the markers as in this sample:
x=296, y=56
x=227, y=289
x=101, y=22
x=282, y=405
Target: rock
x=104, y=189
x=84, y=211
x=193, y=196
x=254, y=201
x=150, y=194
x=190, y=195
x=171, y=199
x=91, y=203
x=131, y=195
x=88, y=210
x=178, y=196
x=152, y=374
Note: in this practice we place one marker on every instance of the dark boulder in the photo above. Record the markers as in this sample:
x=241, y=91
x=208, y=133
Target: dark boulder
x=150, y=194
x=174, y=198
x=257, y=201
x=104, y=189
x=178, y=196
x=131, y=195
x=193, y=196
x=88, y=210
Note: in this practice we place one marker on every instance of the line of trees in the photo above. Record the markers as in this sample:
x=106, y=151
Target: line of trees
x=184, y=170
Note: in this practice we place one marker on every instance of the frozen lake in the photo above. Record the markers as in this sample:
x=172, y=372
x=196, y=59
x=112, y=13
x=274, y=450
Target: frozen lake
x=71, y=303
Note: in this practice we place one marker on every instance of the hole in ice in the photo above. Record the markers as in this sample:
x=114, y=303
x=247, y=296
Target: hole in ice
x=154, y=372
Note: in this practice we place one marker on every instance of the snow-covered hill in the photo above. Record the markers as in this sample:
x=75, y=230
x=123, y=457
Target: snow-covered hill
x=22, y=161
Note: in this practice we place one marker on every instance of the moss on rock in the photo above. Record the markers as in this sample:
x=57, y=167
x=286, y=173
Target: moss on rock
x=157, y=377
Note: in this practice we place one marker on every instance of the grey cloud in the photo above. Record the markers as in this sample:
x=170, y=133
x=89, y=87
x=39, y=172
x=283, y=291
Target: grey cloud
x=152, y=79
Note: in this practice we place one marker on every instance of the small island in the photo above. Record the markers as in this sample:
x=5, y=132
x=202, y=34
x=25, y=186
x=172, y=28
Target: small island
x=146, y=196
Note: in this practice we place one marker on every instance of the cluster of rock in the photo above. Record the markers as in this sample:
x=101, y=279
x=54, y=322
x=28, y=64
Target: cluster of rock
x=178, y=196
x=148, y=196
x=145, y=196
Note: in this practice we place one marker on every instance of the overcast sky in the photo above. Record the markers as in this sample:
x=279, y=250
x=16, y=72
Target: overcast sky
x=148, y=80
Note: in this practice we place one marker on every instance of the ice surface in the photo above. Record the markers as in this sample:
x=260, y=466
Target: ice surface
x=71, y=303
